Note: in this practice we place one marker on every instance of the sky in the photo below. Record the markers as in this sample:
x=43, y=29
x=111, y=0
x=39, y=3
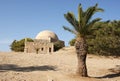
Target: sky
x=26, y=18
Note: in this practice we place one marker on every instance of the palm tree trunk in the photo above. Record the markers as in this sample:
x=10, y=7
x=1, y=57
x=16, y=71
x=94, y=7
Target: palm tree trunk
x=81, y=50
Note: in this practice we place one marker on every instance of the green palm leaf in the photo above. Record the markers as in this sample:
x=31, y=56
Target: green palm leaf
x=72, y=20
x=83, y=24
x=70, y=30
x=89, y=26
x=91, y=11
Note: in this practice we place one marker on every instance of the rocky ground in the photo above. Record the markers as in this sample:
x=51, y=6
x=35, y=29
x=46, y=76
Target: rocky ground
x=59, y=66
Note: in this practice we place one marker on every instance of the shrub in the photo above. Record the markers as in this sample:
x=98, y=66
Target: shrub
x=18, y=46
x=105, y=40
x=105, y=46
x=72, y=42
x=58, y=45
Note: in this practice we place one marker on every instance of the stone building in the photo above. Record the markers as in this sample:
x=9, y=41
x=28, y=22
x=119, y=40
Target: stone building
x=43, y=43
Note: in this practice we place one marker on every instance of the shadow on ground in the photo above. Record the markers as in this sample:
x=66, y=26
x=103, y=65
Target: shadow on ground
x=12, y=67
x=115, y=73
x=109, y=76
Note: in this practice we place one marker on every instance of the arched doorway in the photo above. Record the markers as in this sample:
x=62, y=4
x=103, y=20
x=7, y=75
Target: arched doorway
x=50, y=50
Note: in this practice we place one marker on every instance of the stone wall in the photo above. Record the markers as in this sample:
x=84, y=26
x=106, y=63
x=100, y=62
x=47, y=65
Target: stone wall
x=39, y=46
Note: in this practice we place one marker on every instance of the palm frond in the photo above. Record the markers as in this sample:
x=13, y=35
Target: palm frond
x=89, y=26
x=80, y=13
x=93, y=22
x=70, y=30
x=99, y=10
x=72, y=20
x=83, y=24
x=91, y=11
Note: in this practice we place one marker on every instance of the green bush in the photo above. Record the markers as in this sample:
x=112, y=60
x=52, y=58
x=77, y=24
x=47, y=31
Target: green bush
x=105, y=40
x=72, y=42
x=107, y=46
x=58, y=45
x=18, y=46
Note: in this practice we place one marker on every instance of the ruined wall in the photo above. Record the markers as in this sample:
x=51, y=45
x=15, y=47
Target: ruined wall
x=39, y=46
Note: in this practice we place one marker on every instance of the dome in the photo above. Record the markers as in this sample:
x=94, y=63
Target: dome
x=47, y=35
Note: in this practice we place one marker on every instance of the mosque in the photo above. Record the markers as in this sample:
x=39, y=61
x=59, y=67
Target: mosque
x=43, y=43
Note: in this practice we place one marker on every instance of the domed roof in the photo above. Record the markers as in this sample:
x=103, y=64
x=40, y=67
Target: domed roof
x=46, y=35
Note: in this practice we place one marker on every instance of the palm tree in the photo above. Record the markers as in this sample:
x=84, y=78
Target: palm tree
x=82, y=27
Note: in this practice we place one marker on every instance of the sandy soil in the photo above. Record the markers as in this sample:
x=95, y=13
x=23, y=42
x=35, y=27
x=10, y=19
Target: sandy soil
x=59, y=66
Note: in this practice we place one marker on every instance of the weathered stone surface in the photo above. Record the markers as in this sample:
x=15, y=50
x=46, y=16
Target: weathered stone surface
x=43, y=44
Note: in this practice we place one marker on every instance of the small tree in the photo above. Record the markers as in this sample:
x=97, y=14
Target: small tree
x=18, y=46
x=13, y=45
x=72, y=42
x=58, y=45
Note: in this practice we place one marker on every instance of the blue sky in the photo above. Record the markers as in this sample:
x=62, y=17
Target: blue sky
x=26, y=18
